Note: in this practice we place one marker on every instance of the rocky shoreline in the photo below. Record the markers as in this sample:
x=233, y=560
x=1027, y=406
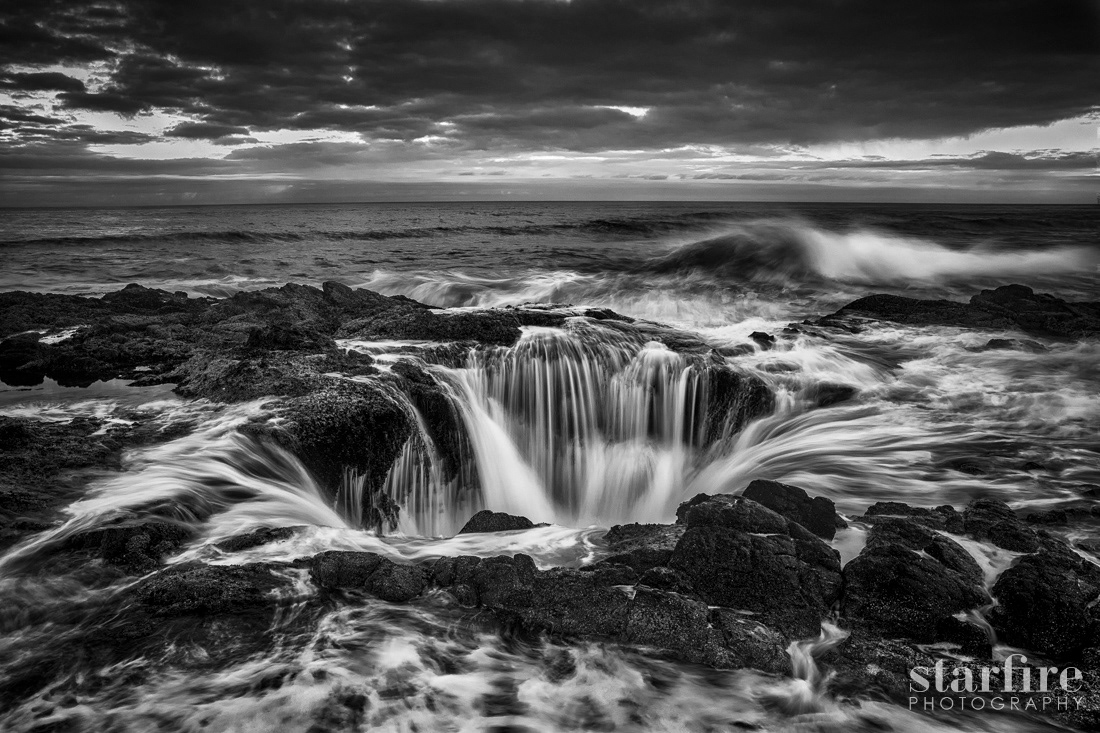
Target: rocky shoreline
x=733, y=582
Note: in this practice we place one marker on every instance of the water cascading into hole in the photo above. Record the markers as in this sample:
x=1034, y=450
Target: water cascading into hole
x=572, y=427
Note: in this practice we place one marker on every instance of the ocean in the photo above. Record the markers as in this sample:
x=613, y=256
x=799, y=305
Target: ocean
x=938, y=417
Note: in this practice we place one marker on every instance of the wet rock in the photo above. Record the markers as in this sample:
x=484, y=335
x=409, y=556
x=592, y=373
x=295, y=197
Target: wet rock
x=1054, y=516
x=136, y=546
x=257, y=538
x=827, y=394
x=1046, y=602
x=288, y=337
x=1006, y=307
x=667, y=579
x=370, y=572
x=817, y=514
x=490, y=521
x=750, y=643
x=994, y=520
x=643, y=546
x=670, y=621
x=1040, y=313
x=396, y=583
x=763, y=340
x=942, y=517
x=740, y=554
x=908, y=582
x=496, y=327
x=439, y=415
x=346, y=428
x=733, y=399
x=1028, y=345
x=44, y=465
x=210, y=589
x=343, y=569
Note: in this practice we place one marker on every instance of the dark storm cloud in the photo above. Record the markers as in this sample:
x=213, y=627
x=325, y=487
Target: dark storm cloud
x=535, y=72
x=41, y=81
x=204, y=131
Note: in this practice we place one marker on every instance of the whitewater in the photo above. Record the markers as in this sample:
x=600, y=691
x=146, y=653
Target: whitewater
x=579, y=427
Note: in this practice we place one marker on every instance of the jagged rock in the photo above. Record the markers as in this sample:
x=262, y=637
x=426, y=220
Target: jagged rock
x=817, y=514
x=347, y=426
x=733, y=400
x=343, y=569
x=942, y=517
x=740, y=554
x=488, y=327
x=1046, y=602
x=210, y=589
x=591, y=603
x=490, y=521
x=1028, y=345
x=367, y=571
x=257, y=538
x=909, y=582
x=994, y=520
x=827, y=394
x=763, y=340
x=1006, y=307
x=667, y=579
x=134, y=546
x=643, y=546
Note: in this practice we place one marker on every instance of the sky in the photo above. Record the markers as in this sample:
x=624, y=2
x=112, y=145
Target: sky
x=150, y=102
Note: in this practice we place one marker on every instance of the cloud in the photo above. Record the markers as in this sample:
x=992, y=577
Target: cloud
x=41, y=81
x=205, y=131
x=462, y=81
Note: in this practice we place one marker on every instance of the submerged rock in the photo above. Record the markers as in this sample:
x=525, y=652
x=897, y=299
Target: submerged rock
x=257, y=538
x=136, y=546
x=489, y=521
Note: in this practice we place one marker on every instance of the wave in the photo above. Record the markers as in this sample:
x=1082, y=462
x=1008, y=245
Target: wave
x=599, y=227
x=794, y=251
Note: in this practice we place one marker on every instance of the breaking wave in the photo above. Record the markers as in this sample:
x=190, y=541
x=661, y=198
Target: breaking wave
x=791, y=251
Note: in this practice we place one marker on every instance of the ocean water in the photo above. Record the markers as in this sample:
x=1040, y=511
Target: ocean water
x=936, y=419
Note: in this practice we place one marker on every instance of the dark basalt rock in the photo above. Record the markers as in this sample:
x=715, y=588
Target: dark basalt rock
x=827, y=394
x=257, y=538
x=136, y=546
x=1028, y=345
x=942, y=517
x=763, y=340
x=994, y=520
x=1046, y=602
x=1007, y=307
x=489, y=521
x=592, y=603
x=347, y=426
x=496, y=327
x=817, y=514
x=338, y=570
x=909, y=582
x=197, y=589
x=643, y=546
x=740, y=554
x=733, y=400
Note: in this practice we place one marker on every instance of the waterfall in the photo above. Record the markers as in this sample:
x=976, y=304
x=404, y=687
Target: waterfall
x=573, y=426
